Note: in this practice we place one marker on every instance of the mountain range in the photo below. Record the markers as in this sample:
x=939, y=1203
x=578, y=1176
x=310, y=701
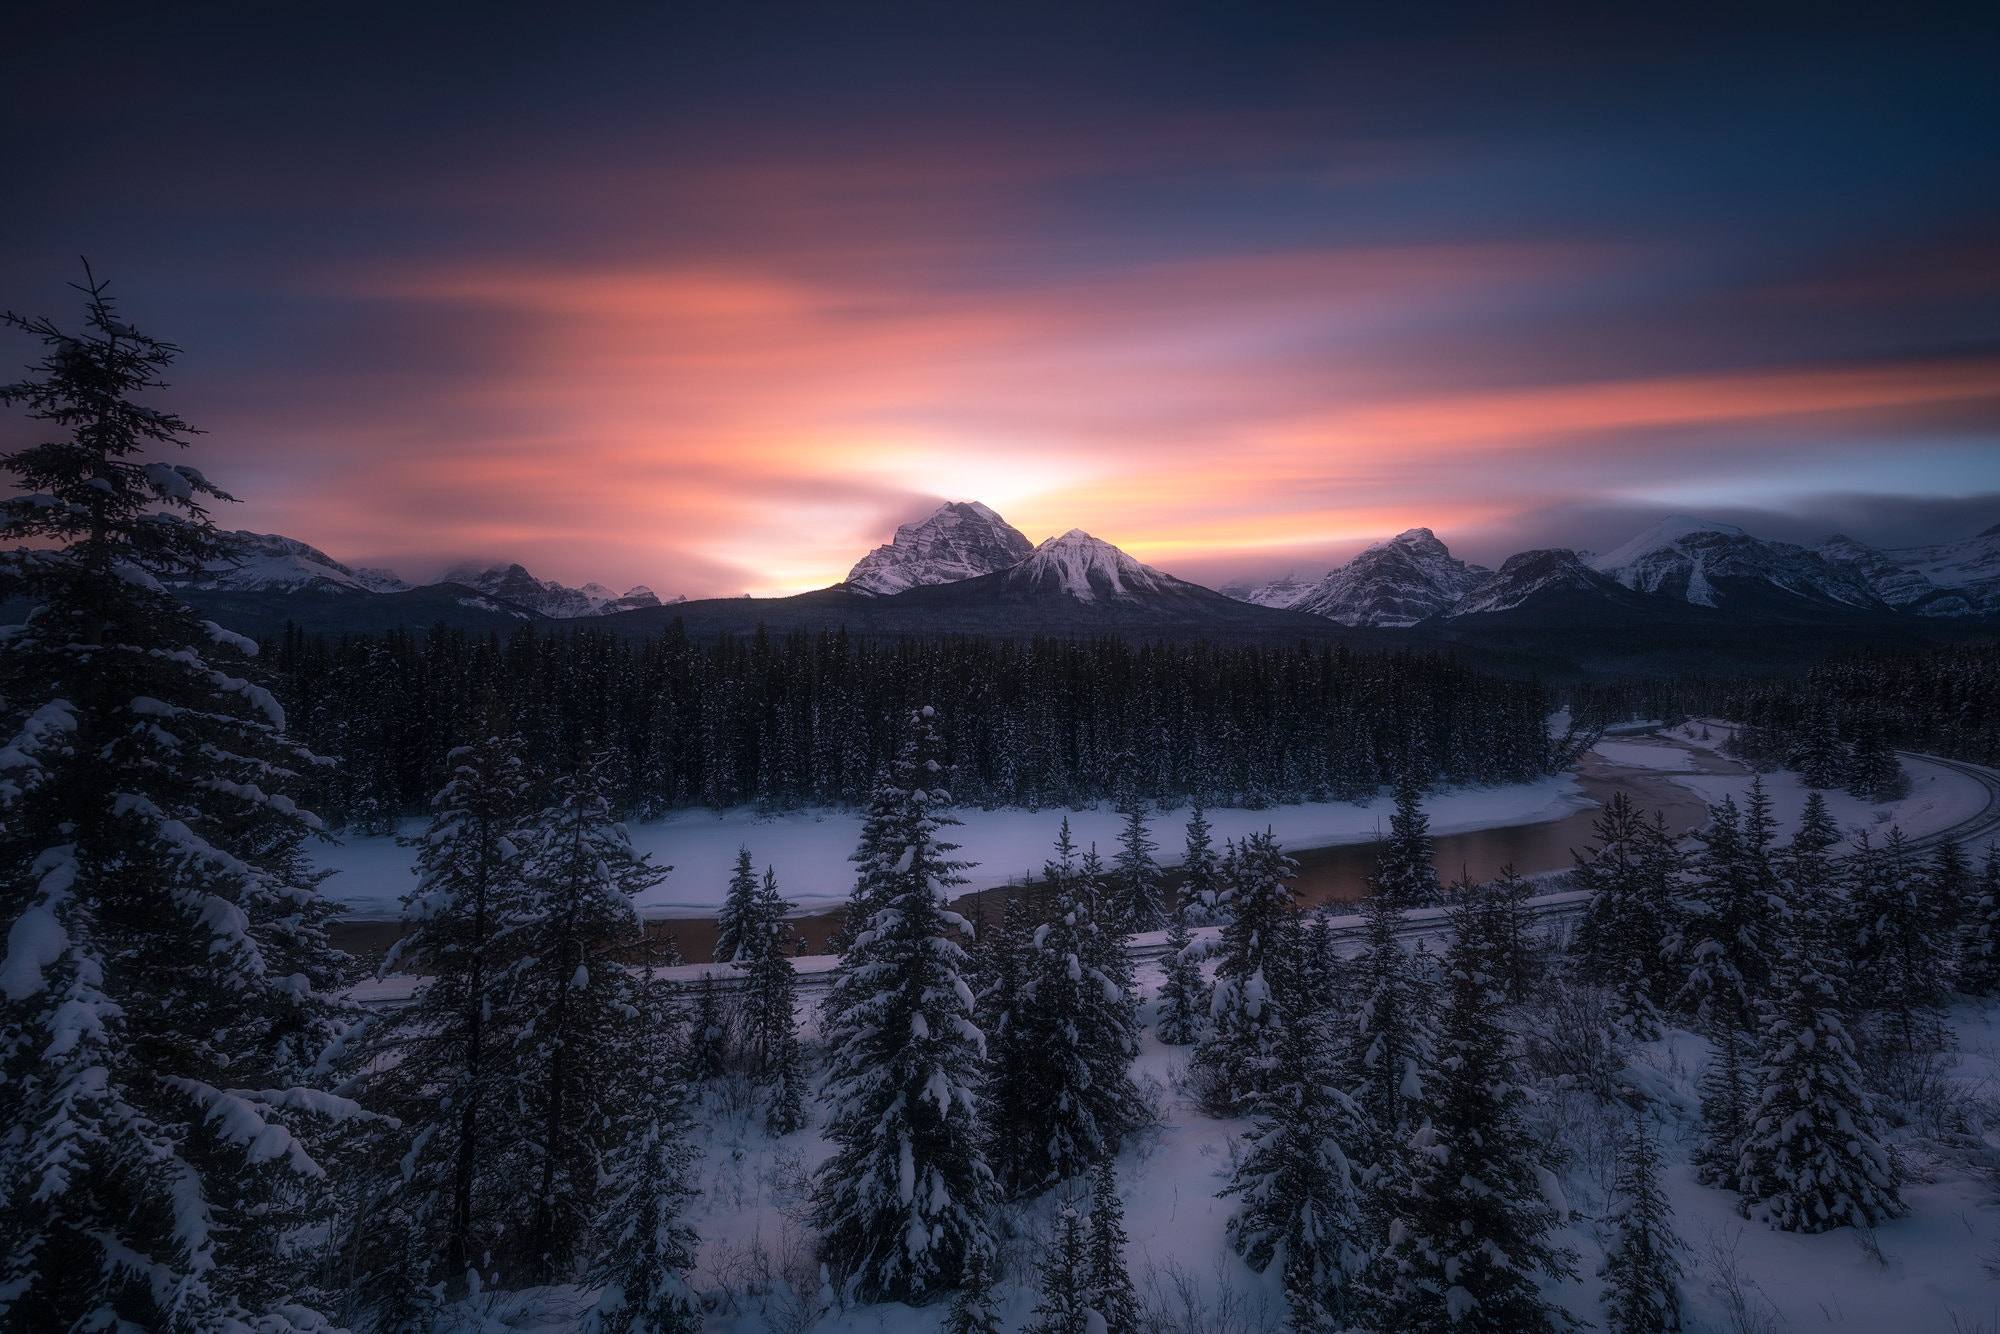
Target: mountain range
x=1686, y=591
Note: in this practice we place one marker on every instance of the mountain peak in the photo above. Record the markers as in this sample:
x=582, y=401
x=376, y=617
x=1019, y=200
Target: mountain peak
x=961, y=539
x=1088, y=569
x=1666, y=533
x=1409, y=578
x=512, y=582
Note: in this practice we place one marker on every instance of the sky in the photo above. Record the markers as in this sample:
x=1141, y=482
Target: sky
x=710, y=297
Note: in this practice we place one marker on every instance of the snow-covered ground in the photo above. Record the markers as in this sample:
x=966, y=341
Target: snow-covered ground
x=1930, y=1272
x=809, y=849
x=1645, y=755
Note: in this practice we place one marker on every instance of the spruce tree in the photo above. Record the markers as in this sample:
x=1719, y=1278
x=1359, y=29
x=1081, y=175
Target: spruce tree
x=1979, y=957
x=973, y=1310
x=1389, y=1053
x=1080, y=1027
x=1812, y=1157
x=1064, y=1272
x=1734, y=915
x=706, y=1054
x=1111, y=1291
x=1899, y=942
x=1013, y=1071
x=165, y=1131
x=447, y=1066
x=1630, y=877
x=1469, y=1242
x=1135, y=902
x=1642, y=1262
x=771, y=1030
x=903, y=1201
x=1514, y=956
x=1404, y=875
x=1183, y=1004
x=582, y=877
x=1200, y=893
x=1727, y=1091
x=1820, y=759
x=738, y=925
x=1246, y=1013
x=644, y=1250
x=1872, y=772
x=1298, y=1183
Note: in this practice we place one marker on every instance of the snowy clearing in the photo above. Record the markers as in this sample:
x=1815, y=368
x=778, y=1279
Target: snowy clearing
x=1642, y=755
x=1939, y=798
x=809, y=849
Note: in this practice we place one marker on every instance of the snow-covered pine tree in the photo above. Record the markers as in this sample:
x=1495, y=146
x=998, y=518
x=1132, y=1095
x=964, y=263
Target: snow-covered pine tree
x=973, y=1310
x=869, y=884
x=770, y=1018
x=1404, y=874
x=737, y=925
x=1642, y=1260
x=1630, y=876
x=1080, y=1028
x=1389, y=1053
x=1872, y=772
x=1135, y=897
x=1979, y=957
x=165, y=1132
x=1469, y=1243
x=445, y=1066
x=1012, y=1084
x=1947, y=881
x=1812, y=1156
x=1200, y=892
x=1727, y=1090
x=1899, y=942
x=1514, y=954
x=1183, y=1004
x=706, y=1054
x=1806, y=865
x=903, y=1201
x=1064, y=1272
x=1112, y=1295
x=1298, y=1184
x=644, y=1249
x=1246, y=1015
x=582, y=877
x=1734, y=915
x=1819, y=758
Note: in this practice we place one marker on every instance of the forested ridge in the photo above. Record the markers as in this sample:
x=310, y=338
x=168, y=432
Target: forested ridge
x=811, y=719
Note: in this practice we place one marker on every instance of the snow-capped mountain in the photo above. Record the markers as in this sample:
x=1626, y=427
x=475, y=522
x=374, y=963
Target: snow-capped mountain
x=1971, y=567
x=1527, y=577
x=513, y=583
x=272, y=563
x=1712, y=564
x=1407, y=579
x=1901, y=586
x=960, y=540
x=1281, y=592
x=1082, y=567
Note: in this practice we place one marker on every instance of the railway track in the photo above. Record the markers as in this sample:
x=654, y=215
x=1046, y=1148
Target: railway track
x=815, y=972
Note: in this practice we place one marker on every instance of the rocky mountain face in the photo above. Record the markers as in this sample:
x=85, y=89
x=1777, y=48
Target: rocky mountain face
x=960, y=540
x=1709, y=564
x=271, y=563
x=513, y=583
x=1410, y=578
x=1276, y=593
x=1950, y=579
x=1079, y=566
x=1529, y=577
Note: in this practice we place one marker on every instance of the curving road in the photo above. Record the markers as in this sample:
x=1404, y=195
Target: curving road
x=1975, y=829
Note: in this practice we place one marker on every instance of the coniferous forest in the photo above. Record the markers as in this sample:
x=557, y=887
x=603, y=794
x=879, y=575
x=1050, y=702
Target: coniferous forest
x=810, y=720
x=1422, y=1117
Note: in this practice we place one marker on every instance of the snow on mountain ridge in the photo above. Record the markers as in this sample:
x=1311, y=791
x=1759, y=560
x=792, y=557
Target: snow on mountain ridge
x=961, y=539
x=513, y=583
x=1681, y=557
x=1409, y=578
x=1089, y=570
x=272, y=562
x=1659, y=537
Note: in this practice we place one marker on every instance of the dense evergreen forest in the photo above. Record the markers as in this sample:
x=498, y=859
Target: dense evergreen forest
x=811, y=720
x=1942, y=702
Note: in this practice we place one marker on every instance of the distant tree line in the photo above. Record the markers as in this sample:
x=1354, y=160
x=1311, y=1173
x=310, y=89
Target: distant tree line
x=811, y=719
x=1943, y=702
